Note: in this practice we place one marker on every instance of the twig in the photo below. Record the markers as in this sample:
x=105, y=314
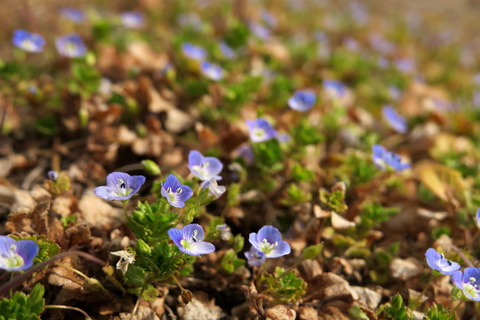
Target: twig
x=17, y=281
x=56, y=306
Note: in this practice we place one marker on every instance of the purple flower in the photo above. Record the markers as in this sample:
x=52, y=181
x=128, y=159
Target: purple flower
x=213, y=188
x=405, y=65
x=259, y=31
x=175, y=192
x=334, y=89
x=189, y=240
x=395, y=121
x=438, y=262
x=255, y=258
x=204, y=168
x=394, y=93
x=17, y=255
x=211, y=71
x=477, y=218
x=72, y=14
x=132, y=20
x=227, y=51
x=384, y=159
x=469, y=282
x=225, y=232
x=193, y=52
x=52, y=175
x=30, y=42
x=120, y=186
x=260, y=130
x=245, y=152
x=269, y=241
x=302, y=100
x=71, y=46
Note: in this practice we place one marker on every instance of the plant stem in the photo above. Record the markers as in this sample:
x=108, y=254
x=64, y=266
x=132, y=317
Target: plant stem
x=137, y=303
x=90, y=281
x=55, y=306
x=17, y=281
x=462, y=255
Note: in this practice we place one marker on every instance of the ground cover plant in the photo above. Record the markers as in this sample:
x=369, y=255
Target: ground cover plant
x=239, y=160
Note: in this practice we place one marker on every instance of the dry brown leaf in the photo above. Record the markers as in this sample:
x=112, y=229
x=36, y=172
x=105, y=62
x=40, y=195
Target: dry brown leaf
x=280, y=312
x=441, y=180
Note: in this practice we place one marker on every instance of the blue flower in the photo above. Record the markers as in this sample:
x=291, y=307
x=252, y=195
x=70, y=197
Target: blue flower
x=245, y=152
x=27, y=41
x=193, y=52
x=133, y=20
x=17, y=255
x=255, y=258
x=204, y=168
x=189, y=240
x=397, y=122
x=175, y=192
x=438, y=262
x=334, y=89
x=477, y=218
x=213, y=188
x=384, y=159
x=259, y=31
x=302, y=100
x=468, y=282
x=120, y=186
x=227, y=51
x=52, y=175
x=260, y=130
x=269, y=241
x=72, y=14
x=71, y=46
x=211, y=71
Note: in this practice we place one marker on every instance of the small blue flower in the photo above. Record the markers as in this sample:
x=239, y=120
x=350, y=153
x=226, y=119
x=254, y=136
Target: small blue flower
x=71, y=46
x=438, y=262
x=302, y=100
x=120, y=186
x=477, y=218
x=468, y=282
x=255, y=258
x=132, y=20
x=72, y=14
x=405, y=65
x=397, y=122
x=52, y=175
x=269, y=241
x=225, y=232
x=193, y=52
x=204, y=168
x=245, y=152
x=189, y=240
x=384, y=159
x=211, y=71
x=227, y=51
x=30, y=42
x=17, y=255
x=334, y=89
x=268, y=18
x=213, y=188
x=259, y=31
x=261, y=130
x=175, y=192
x=394, y=93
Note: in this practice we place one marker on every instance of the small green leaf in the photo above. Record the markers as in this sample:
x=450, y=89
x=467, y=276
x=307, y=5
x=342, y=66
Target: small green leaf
x=311, y=252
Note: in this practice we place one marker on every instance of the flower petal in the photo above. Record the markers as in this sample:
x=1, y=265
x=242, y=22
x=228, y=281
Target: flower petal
x=171, y=182
x=5, y=245
x=194, y=158
x=189, y=230
x=270, y=233
x=135, y=182
x=201, y=248
x=176, y=235
x=28, y=250
x=282, y=248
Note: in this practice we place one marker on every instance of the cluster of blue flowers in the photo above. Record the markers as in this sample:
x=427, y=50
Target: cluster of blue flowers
x=70, y=45
x=121, y=186
x=198, y=54
x=468, y=280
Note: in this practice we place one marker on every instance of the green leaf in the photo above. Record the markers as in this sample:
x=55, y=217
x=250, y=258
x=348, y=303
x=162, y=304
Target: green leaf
x=23, y=307
x=311, y=252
